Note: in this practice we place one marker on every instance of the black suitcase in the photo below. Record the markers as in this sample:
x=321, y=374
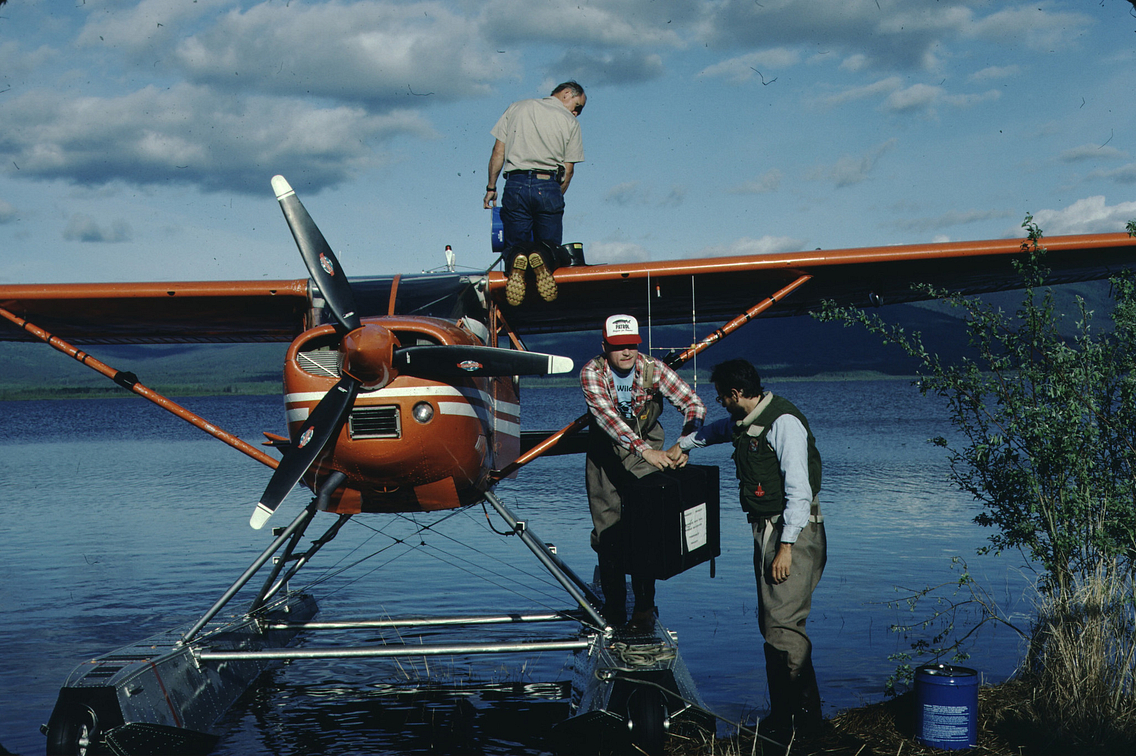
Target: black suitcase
x=670, y=521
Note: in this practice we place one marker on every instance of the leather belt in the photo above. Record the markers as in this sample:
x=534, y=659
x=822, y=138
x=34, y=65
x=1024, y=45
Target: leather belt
x=534, y=174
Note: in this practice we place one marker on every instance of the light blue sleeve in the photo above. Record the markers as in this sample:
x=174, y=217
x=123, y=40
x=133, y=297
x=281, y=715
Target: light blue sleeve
x=717, y=432
x=790, y=441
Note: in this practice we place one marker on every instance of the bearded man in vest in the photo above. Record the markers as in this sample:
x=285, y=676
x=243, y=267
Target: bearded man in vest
x=779, y=473
x=624, y=390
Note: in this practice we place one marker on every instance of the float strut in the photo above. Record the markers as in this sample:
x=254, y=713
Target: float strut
x=550, y=562
x=271, y=586
x=300, y=521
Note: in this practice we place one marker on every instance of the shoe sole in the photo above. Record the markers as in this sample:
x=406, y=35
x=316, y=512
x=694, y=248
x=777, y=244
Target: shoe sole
x=545, y=283
x=515, y=288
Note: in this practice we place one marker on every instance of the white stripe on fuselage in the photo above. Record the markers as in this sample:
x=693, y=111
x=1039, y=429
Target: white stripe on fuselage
x=476, y=404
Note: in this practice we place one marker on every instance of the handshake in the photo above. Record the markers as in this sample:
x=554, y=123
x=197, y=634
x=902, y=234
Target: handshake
x=670, y=459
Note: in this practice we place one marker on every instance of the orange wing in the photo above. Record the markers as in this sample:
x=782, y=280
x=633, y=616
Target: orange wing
x=714, y=289
x=160, y=312
x=720, y=288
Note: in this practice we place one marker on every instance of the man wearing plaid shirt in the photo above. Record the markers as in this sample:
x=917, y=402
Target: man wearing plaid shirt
x=624, y=391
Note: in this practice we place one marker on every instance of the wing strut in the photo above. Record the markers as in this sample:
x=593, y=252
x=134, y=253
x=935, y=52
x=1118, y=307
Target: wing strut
x=673, y=360
x=130, y=382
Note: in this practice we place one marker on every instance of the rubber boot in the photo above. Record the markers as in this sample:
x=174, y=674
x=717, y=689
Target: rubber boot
x=644, y=612
x=808, y=718
x=778, y=725
x=613, y=583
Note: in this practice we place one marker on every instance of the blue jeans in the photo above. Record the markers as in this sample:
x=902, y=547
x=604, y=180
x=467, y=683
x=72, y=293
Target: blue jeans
x=532, y=209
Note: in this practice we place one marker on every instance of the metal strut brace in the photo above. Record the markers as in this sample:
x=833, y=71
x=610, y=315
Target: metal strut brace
x=554, y=565
x=129, y=381
x=673, y=360
x=271, y=585
x=301, y=521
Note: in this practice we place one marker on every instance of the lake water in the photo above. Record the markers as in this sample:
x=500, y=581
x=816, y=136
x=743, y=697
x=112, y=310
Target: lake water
x=120, y=521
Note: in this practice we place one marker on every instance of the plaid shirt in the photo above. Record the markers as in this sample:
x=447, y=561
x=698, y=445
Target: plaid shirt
x=598, y=383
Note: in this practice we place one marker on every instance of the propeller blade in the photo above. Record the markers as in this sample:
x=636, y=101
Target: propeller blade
x=322, y=425
x=456, y=361
x=318, y=257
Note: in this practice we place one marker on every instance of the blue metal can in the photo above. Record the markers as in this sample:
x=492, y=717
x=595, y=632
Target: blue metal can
x=946, y=706
x=498, y=235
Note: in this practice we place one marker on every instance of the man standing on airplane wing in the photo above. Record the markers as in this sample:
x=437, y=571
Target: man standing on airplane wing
x=624, y=391
x=779, y=471
x=537, y=143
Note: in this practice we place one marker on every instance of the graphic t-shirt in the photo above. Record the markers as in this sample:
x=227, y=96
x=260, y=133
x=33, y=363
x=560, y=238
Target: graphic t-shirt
x=623, y=384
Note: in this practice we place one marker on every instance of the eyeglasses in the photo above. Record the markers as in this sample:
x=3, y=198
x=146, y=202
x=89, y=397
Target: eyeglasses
x=720, y=400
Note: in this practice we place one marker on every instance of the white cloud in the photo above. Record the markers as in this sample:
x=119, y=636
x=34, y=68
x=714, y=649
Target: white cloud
x=875, y=89
x=1086, y=152
x=741, y=69
x=627, y=193
x=995, y=72
x=853, y=169
x=600, y=253
x=1085, y=216
x=377, y=53
x=597, y=24
x=185, y=134
x=922, y=98
x=8, y=213
x=947, y=220
x=915, y=97
x=675, y=197
x=1037, y=24
x=84, y=228
x=1125, y=174
x=622, y=67
x=766, y=183
x=766, y=245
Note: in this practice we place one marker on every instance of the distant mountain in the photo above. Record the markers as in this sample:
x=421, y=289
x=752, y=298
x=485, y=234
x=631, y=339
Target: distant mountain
x=37, y=370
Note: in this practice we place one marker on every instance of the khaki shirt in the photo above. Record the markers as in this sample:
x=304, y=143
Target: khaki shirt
x=539, y=135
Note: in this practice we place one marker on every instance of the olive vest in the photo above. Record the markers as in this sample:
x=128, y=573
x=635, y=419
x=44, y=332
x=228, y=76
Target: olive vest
x=760, y=483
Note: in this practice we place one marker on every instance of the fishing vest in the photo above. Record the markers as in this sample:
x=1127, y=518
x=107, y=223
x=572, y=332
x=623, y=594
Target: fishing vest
x=760, y=483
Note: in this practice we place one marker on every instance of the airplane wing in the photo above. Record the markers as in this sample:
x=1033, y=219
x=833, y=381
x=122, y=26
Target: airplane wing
x=719, y=288
x=149, y=313
x=216, y=311
x=711, y=289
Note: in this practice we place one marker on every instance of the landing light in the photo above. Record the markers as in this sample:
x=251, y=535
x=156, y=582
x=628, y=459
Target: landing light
x=423, y=412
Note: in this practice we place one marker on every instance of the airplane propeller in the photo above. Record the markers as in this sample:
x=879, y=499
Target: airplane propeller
x=372, y=357
x=321, y=262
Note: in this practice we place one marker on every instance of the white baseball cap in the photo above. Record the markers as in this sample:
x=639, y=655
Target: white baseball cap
x=621, y=330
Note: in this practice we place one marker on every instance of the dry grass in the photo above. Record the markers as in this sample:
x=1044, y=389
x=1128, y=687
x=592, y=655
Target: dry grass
x=1082, y=662
x=1007, y=726
x=1075, y=697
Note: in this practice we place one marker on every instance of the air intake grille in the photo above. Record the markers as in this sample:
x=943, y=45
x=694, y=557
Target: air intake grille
x=320, y=362
x=374, y=422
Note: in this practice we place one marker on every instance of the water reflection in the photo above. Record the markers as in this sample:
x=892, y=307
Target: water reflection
x=121, y=522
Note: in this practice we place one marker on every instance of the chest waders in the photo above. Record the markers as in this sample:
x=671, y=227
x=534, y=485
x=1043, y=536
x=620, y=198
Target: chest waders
x=608, y=467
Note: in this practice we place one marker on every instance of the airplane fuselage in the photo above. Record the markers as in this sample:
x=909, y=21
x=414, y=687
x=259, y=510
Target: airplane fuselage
x=414, y=444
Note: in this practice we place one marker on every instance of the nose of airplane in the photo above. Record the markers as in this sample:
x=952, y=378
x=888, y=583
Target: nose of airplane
x=368, y=352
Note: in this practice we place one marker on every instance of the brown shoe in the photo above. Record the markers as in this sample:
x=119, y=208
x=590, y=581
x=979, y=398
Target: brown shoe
x=515, y=288
x=545, y=283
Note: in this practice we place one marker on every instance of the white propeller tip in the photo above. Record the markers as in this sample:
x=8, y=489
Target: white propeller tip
x=281, y=186
x=260, y=516
x=558, y=364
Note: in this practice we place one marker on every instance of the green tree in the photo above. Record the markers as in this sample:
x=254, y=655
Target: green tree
x=1047, y=422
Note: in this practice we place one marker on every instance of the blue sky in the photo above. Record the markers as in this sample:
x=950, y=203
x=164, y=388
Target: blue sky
x=138, y=137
